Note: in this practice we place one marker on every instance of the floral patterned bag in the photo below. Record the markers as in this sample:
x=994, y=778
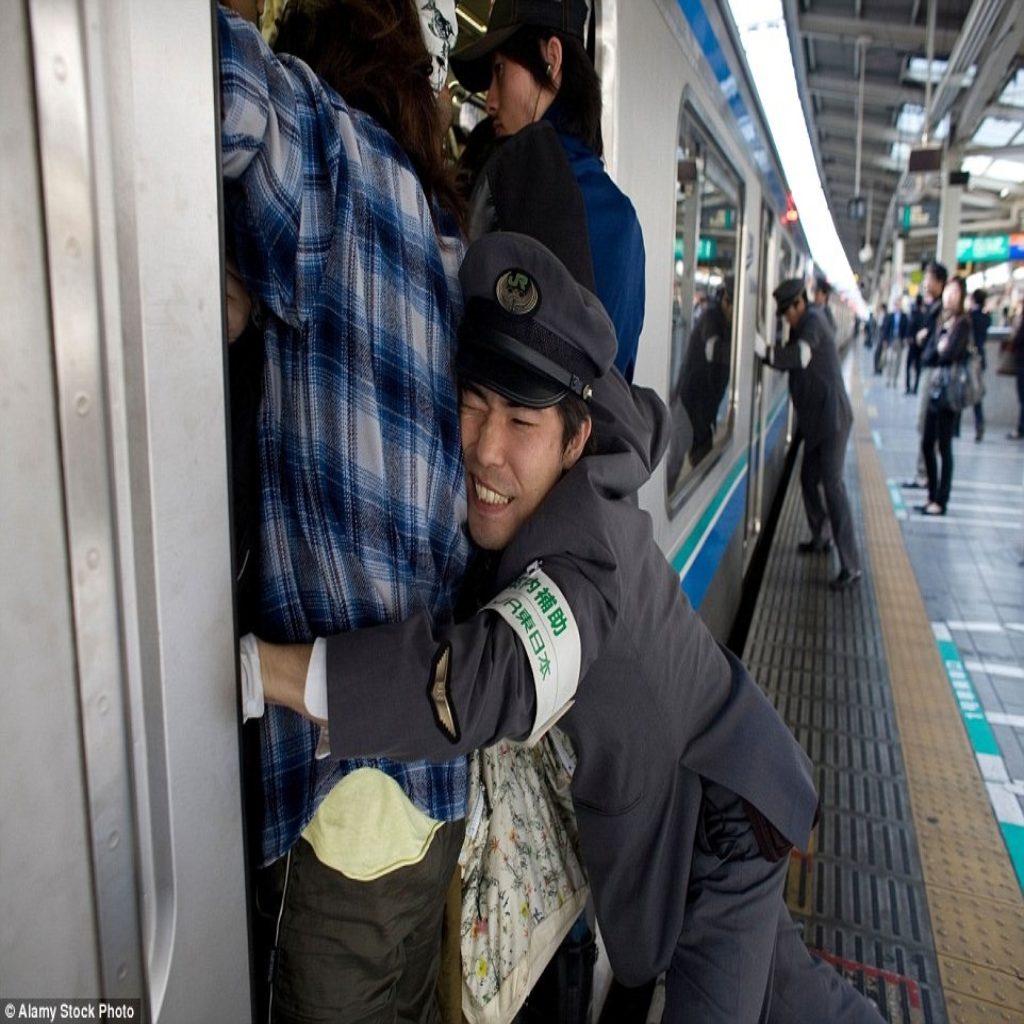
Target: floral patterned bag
x=523, y=884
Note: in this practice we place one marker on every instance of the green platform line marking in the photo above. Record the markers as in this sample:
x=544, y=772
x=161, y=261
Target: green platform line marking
x=1013, y=836
x=896, y=495
x=979, y=732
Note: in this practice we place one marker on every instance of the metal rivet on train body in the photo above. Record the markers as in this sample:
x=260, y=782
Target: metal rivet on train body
x=113, y=839
x=60, y=67
x=92, y=558
x=122, y=972
x=103, y=704
x=82, y=403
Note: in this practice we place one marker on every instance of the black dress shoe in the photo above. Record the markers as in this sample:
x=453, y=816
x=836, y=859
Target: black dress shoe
x=845, y=579
x=933, y=508
x=914, y=484
x=814, y=547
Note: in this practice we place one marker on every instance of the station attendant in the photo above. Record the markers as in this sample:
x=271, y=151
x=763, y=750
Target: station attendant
x=689, y=789
x=825, y=417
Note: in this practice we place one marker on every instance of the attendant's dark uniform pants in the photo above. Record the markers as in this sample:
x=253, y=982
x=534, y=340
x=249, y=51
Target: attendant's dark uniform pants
x=822, y=471
x=741, y=959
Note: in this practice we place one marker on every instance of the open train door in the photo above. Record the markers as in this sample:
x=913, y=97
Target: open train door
x=122, y=872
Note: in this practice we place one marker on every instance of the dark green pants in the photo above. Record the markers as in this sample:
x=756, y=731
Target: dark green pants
x=353, y=952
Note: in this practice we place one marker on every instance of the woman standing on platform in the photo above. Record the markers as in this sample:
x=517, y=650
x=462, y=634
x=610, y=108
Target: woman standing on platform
x=946, y=348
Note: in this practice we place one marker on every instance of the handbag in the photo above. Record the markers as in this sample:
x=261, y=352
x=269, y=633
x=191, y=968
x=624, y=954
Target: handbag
x=523, y=882
x=974, y=390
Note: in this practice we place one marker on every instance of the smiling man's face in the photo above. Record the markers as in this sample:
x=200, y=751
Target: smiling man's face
x=513, y=456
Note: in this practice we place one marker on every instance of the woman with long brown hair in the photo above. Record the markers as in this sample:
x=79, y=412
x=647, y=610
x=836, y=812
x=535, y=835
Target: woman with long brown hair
x=947, y=347
x=346, y=226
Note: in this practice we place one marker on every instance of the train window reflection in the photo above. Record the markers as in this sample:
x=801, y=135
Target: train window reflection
x=707, y=238
x=785, y=269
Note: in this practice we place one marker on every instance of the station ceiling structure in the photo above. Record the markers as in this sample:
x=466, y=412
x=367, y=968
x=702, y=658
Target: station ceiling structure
x=877, y=81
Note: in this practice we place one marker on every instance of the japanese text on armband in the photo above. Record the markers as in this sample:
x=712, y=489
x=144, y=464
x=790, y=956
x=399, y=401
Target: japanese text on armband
x=541, y=618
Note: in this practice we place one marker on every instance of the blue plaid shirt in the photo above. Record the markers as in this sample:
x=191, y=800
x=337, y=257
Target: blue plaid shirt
x=362, y=503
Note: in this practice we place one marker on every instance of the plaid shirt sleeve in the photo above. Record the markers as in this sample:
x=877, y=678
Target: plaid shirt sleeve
x=270, y=146
x=362, y=493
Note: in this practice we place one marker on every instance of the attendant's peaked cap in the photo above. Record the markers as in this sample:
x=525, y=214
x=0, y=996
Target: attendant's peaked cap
x=529, y=331
x=787, y=293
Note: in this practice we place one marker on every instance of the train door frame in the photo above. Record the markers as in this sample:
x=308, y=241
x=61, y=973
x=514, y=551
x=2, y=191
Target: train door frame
x=692, y=172
x=758, y=404
x=124, y=726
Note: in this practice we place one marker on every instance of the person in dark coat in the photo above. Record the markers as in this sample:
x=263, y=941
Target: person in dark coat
x=935, y=277
x=822, y=290
x=689, y=788
x=704, y=374
x=533, y=65
x=980, y=323
x=947, y=347
x=825, y=418
x=1017, y=434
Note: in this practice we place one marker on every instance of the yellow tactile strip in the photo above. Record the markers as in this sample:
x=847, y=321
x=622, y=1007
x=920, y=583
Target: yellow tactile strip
x=974, y=900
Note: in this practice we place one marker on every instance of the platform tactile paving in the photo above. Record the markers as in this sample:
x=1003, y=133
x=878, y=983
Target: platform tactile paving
x=860, y=894
x=907, y=889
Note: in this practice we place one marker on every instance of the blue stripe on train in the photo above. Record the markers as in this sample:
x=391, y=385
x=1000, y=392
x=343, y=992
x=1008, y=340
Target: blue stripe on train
x=694, y=12
x=720, y=520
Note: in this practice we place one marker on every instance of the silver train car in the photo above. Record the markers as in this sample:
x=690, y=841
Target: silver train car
x=122, y=865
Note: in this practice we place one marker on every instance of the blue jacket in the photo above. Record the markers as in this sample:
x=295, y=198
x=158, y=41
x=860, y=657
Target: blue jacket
x=616, y=244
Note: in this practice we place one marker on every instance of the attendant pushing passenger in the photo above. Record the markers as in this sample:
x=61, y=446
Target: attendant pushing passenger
x=689, y=790
x=825, y=417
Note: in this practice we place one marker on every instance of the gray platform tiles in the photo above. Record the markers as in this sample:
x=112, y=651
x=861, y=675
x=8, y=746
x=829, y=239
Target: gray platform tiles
x=969, y=566
x=860, y=893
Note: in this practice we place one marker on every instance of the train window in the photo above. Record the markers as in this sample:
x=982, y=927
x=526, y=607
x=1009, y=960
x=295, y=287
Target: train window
x=708, y=217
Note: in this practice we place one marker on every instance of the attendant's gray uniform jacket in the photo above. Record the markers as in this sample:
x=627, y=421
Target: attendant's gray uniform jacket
x=819, y=396
x=659, y=705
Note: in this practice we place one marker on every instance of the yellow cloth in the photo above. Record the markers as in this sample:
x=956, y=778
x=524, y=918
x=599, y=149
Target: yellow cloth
x=367, y=827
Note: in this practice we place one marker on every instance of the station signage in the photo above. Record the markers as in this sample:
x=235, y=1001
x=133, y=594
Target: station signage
x=719, y=217
x=990, y=248
x=707, y=249
x=921, y=215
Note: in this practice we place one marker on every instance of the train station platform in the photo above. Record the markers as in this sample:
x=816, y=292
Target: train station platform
x=907, y=691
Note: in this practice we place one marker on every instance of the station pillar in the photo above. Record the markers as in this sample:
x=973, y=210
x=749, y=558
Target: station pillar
x=949, y=214
x=898, y=257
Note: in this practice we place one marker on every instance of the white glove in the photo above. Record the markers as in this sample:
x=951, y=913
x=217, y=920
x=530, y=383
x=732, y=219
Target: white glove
x=760, y=347
x=251, y=677
x=315, y=694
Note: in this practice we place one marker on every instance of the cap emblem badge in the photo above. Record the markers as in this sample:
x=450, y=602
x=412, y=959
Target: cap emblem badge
x=516, y=292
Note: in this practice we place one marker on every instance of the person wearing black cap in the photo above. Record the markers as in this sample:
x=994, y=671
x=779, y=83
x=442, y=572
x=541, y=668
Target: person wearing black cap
x=825, y=417
x=533, y=65
x=689, y=789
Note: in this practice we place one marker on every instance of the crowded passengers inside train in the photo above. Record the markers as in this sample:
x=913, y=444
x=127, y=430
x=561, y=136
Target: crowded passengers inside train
x=465, y=659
